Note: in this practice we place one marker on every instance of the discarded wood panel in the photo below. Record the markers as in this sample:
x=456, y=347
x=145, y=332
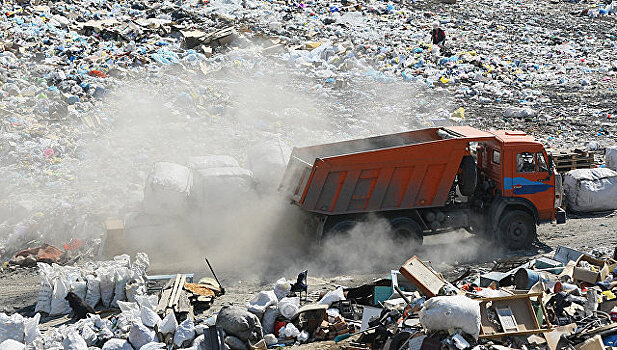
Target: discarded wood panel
x=422, y=276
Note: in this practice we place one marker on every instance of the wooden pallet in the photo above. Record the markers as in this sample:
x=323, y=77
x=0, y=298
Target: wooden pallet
x=566, y=161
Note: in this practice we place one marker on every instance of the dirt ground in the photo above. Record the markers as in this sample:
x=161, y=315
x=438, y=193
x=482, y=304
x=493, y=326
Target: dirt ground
x=19, y=287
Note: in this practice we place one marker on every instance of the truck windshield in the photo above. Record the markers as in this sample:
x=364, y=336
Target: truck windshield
x=542, y=167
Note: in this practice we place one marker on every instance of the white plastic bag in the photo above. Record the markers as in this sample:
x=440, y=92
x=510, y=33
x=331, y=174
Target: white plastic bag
x=78, y=286
x=153, y=346
x=149, y=318
x=122, y=276
x=107, y=284
x=93, y=291
x=43, y=299
x=73, y=341
x=184, y=333
x=168, y=324
x=11, y=327
x=333, y=296
x=59, y=305
x=282, y=288
x=31, y=329
x=288, y=307
x=117, y=344
x=447, y=312
x=261, y=301
x=140, y=335
x=11, y=344
x=130, y=310
x=147, y=301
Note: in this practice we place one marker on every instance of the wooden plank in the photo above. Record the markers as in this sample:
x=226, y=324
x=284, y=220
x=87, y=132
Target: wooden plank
x=174, y=292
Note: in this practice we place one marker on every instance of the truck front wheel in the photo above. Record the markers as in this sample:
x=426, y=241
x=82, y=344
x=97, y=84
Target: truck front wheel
x=516, y=230
x=406, y=230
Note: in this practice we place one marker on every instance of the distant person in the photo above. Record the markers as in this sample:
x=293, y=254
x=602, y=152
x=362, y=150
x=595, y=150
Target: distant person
x=438, y=35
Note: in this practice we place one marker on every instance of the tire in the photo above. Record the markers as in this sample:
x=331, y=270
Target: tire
x=516, y=230
x=339, y=227
x=468, y=179
x=405, y=229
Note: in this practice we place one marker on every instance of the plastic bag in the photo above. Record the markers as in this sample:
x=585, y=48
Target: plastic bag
x=130, y=310
x=140, y=335
x=288, y=307
x=11, y=327
x=185, y=333
x=59, y=305
x=122, y=276
x=43, y=299
x=147, y=301
x=89, y=336
x=11, y=344
x=282, y=288
x=79, y=287
x=74, y=341
x=238, y=322
x=269, y=319
x=149, y=318
x=117, y=344
x=168, y=324
x=333, y=296
x=106, y=284
x=261, y=301
x=93, y=291
x=446, y=312
x=153, y=346
x=31, y=329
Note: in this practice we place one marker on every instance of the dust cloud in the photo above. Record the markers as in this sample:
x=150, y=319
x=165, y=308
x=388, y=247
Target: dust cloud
x=223, y=108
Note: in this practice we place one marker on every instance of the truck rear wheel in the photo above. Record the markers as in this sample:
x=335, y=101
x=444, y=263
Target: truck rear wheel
x=468, y=178
x=516, y=230
x=338, y=227
x=406, y=230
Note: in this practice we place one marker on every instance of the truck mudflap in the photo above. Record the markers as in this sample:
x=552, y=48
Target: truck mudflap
x=560, y=216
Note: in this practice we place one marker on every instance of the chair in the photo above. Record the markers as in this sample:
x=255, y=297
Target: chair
x=301, y=284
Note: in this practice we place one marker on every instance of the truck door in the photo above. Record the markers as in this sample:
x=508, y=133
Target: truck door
x=532, y=180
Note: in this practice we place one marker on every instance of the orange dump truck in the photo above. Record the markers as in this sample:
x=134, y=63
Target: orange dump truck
x=497, y=183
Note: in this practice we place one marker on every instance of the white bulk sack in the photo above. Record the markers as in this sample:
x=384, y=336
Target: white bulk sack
x=589, y=190
x=167, y=189
x=447, y=312
x=610, y=157
x=222, y=188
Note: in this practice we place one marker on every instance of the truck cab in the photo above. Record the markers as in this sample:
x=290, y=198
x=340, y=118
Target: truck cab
x=519, y=175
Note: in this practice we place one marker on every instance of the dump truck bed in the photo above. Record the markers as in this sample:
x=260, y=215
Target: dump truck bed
x=407, y=170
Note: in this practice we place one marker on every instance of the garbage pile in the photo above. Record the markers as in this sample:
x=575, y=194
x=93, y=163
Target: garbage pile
x=359, y=70
x=555, y=301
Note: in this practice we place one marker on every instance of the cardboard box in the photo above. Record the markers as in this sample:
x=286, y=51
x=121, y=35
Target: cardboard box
x=115, y=240
x=587, y=275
